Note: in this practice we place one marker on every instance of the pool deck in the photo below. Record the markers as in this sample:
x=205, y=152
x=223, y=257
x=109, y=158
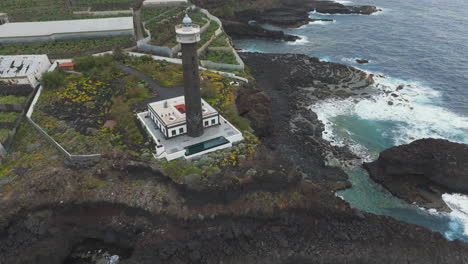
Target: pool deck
x=174, y=148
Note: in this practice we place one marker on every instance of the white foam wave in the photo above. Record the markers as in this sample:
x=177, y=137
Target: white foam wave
x=322, y=23
x=459, y=205
x=411, y=111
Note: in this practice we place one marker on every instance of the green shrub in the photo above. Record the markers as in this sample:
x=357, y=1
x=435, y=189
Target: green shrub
x=89, y=62
x=226, y=57
x=8, y=116
x=241, y=123
x=4, y=134
x=53, y=80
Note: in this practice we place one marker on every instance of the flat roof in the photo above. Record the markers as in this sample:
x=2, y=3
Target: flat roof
x=179, y=143
x=168, y=111
x=20, y=65
x=47, y=28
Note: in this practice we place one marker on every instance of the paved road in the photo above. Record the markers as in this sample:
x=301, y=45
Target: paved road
x=162, y=92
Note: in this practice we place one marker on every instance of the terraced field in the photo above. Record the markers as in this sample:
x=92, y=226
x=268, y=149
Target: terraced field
x=70, y=48
x=99, y=5
x=44, y=10
x=35, y=10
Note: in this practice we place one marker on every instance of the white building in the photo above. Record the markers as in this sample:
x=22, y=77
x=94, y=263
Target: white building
x=166, y=124
x=23, y=69
x=169, y=116
x=66, y=29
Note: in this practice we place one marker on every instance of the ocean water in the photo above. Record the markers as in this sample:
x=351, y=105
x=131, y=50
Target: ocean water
x=421, y=46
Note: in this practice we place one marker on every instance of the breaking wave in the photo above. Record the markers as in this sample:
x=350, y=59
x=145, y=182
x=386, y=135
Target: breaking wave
x=400, y=112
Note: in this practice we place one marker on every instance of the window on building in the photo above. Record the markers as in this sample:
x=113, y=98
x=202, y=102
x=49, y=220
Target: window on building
x=181, y=130
x=213, y=121
x=206, y=123
x=173, y=132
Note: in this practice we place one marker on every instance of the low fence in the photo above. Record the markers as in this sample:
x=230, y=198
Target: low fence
x=216, y=65
x=62, y=150
x=6, y=145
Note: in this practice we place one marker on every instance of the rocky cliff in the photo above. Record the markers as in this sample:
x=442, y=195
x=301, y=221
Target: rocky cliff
x=423, y=170
x=238, y=15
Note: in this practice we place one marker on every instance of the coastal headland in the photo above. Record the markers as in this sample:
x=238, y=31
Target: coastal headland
x=275, y=205
x=279, y=207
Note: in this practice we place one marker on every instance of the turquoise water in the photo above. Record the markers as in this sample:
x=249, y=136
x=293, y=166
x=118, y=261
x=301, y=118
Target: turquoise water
x=421, y=45
x=371, y=197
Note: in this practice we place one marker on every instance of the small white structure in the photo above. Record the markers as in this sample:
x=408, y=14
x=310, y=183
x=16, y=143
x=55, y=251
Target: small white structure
x=164, y=3
x=23, y=69
x=66, y=29
x=165, y=123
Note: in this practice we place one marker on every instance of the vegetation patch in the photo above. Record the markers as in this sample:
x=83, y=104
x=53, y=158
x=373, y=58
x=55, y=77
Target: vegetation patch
x=29, y=151
x=208, y=169
x=12, y=99
x=153, y=14
x=35, y=10
x=8, y=116
x=208, y=33
x=46, y=10
x=166, y=74
x=4, y=134
x=221, y=94
x=102, y=4
x=226, y=57
x=220, y=42
x=93, y=112
x=87, y=46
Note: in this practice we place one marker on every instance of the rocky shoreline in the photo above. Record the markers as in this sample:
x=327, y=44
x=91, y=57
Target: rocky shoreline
x=285, y=13
x=286, y=213
x=422, y=171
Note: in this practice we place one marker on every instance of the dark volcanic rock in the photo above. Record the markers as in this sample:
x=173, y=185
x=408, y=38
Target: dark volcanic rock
x=421, y=171
x=256, y=106
x=243, y=30
x=294, y=82
x=236, y=15
x=362, y=61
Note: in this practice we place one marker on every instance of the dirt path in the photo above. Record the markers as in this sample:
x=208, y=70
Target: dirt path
x=162, y=92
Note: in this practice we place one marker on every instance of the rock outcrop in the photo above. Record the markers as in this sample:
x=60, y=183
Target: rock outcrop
x=421, y=171
x=294, y=82
x=238, y=15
